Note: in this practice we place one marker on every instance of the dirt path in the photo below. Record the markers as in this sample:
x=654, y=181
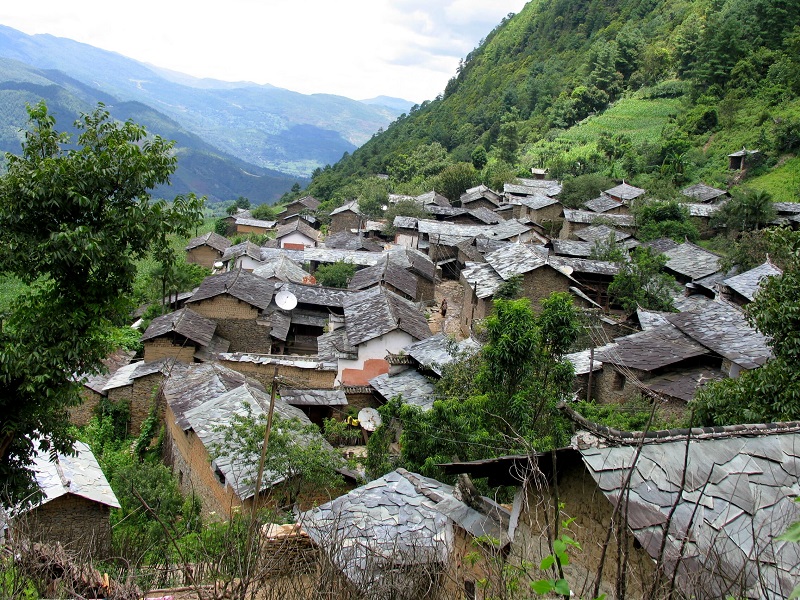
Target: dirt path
x=454, y=293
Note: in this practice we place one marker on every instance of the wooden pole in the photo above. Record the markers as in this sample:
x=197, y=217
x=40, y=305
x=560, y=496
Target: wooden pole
x=265, y=445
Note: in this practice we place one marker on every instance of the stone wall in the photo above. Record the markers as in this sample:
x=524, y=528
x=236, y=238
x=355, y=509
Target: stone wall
x=162, y=347
x=237, y=322
x=473, y=309
x=540, y=283
x=81, y=415
x=344, y=221
x=81, y=525
x=141, y=394
x=205, y=256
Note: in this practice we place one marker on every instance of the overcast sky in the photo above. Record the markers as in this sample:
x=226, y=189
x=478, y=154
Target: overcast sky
x=355, y=48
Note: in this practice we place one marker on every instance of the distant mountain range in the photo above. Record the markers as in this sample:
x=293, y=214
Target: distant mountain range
x=233, y=138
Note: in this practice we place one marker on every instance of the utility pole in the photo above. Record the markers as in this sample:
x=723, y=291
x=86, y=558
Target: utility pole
x=265, y=445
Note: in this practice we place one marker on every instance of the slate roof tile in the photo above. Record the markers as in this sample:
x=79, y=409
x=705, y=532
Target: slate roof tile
x=212, y=239
x=703, y=192
x=239, y=284
x=185, y=322
x=410, y=384
x=625, y=191
x=377, y=311
x=749, y=282
x=652, y=349
x=692, y=261
x=603, y=204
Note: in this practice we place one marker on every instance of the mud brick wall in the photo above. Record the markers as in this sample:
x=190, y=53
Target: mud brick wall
x=204, y=256
x=162, y=347
x=140, y=394
x=80, y=415
x=344, y=221
x=236, y=322
x=540, y=283
x=81, y=525
x=313, y=378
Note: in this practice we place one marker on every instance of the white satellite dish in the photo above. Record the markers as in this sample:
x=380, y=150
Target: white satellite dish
x=285, y=300
x=566, y=270
x=369, y=418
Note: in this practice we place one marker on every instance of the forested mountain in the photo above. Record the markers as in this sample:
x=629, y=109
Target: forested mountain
x=202, y=169
x=658, y=91
x=260, y=124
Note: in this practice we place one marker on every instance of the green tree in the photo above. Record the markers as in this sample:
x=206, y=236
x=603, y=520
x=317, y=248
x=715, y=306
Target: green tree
x=747, y=209
x=583, y=188
x=372, y=197
x=265, y=212
x=772, y=392
x=455, y=180
x=641, y=283
x=336, y=274
x=404, y=208
x=659, y=219
x=479, y=157
x=297, y=454
x=73, y=221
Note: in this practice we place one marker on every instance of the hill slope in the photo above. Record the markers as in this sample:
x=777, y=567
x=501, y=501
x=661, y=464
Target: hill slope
x=201, y=168
x=261, y=124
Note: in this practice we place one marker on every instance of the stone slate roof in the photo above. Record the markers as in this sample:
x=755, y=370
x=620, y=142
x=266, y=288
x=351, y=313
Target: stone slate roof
x=334, y=345
x=572, y=248
x=442, y=232
x=535, y=202
x=600, y=233
x=401, y=222
x=252, y=289
x=413, y=386
x=691, y=302
x=589, y=217
x=683, y=384
x=549, y=187
x=625, y=191
x=385, y=272
x=300, y=226
x=702, y=210
x=485, y=215
x=692, y=261
x=703, y=192
x=482, y=278
x=585, y=265
x=602, y=204
x=307, y=202
x=723, y=329
x=111, y=364
x=303, y=397
x=212, y=239
x=197, y=383
x=786, y=208
x=478, y=192
x=516, y=259
x=433, y=353
x=749, y=282
x=127, y=374
x=649, y=319
x=283, y=269
x=79, y=475
x=206, y=419
x=257, y=223
x=652, y=349
x=185, y=322
x=399, y=520
x=736, y=499
x=377, y=311
x=581, y=360
x=246, y=248
x=351, y=206
x=434, y=198
x=661, y=245
x=316, y=295
x=344, y=240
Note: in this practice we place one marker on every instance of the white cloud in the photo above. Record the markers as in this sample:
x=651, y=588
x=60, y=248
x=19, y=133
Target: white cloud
x=355, y=48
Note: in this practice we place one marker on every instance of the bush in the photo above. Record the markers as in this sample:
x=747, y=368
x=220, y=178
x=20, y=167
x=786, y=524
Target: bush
x=336, y=274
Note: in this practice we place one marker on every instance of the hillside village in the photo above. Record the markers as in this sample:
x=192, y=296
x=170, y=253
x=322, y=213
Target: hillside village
x=702, y=506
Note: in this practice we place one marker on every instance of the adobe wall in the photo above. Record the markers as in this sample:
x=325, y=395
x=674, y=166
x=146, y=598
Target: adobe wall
x=344, y=221
x=473, y=309
x=225, y=307
x=163, y=347
x=204, y=256
x=81, y=525
x=81, y=415
x=246, y=229
x=312, y=378
x=548, y=213
x=592, y=512
x=540, y=283
x=236, y=322
x=141, y=395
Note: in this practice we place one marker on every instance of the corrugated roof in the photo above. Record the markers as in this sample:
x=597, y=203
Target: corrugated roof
x=239, y=284
x=79, y=475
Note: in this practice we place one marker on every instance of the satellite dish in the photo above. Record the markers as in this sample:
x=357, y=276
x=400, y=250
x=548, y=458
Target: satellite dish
x=370, y=419
x=285, y=300
x=567, y=270
x=218, y=265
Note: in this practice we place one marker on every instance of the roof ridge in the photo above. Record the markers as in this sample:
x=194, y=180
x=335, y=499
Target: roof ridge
x=671, y=435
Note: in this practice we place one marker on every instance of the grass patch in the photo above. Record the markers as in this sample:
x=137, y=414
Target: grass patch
x=783, y=182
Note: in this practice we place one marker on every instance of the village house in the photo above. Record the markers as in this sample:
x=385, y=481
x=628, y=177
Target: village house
x=313, y=371
x=346, y=217
x=607, y=205
x=283, y=268
x=537, y=208
x=625, y=193
x=480, y=197
x=408, y=283
x=700, y=192
x=220, y=477
x=742, y=288
x=530, y=187
x=206, y=249
x=540, y=278
x=346, y=240
x=296, y=236
x=377, y=322
x=743, y=159
x=183, y=335
x=245, y=256
x=688, y=262
x=76, y=503
x=575, y=220
x=405, y=536
x=93, y=386
x=592, y=277
x=304, y=205
x=704, y=505
x=235, y=301
x=230, y=220
x=248, y=226
x=701, y=215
